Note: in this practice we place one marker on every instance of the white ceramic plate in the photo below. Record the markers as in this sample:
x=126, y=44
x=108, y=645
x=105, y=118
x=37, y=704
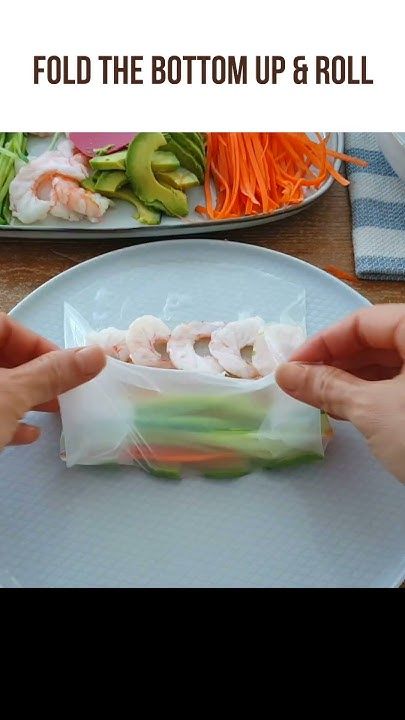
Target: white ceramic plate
x=336, y=523
x=119, y=223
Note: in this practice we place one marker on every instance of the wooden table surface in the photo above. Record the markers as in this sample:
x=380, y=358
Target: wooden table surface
x=319, y=235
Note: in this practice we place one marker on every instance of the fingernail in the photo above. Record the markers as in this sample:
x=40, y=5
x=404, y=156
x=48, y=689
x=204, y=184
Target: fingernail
x=290, y=376
x=89, y=359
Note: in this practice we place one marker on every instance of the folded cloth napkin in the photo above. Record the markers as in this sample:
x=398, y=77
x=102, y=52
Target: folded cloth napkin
x=377, y=198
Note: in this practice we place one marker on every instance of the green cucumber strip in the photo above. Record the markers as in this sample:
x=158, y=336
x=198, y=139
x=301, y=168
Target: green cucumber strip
x=170, y=473
x=6, y=184
x=13, y=146
x=297, y=459
x=188, y=423
x=227, y=474
x=8, y=153
x=237, y=408
x=6, y=212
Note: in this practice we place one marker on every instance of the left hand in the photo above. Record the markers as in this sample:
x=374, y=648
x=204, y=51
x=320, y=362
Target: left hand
x=33, y=372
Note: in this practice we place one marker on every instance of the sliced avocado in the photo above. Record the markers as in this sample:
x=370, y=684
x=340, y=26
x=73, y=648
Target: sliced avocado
x=144, y=214
x=164, y=161
x=156, y=205
x=89, y=184
x=111, y=180
x=115, y=161
x=142, y=180
x=181, y=178
x=195, y=140
x=161, y=161
x=190, y=145
x=187, y=159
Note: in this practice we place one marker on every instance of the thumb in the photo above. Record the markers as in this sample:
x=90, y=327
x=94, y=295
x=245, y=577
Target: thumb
x=332, y=390
x=43, y=379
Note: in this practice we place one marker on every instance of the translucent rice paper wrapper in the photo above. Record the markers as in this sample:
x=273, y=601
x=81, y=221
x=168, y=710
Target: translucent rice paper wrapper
x=173, y=423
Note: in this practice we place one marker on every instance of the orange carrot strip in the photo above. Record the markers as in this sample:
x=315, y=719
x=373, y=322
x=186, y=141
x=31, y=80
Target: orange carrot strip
x=347, y=158
x=245, y=187
x=341, y=274
x=207, y=179
x=259, y=177
x=338, y=177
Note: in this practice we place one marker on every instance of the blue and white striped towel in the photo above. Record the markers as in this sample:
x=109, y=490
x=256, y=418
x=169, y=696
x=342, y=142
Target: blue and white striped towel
x=377, y=197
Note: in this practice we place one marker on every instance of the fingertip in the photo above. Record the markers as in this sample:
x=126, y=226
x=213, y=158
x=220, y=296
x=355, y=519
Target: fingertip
x=25, y=434
x=40, y=381
x=314, y=350
x=90, y=360
x=289, y=376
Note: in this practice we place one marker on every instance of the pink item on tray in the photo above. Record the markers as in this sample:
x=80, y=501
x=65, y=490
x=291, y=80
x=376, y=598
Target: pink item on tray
x=88, y=143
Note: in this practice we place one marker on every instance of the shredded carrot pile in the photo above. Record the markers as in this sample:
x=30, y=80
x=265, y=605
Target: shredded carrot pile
x=256, y=173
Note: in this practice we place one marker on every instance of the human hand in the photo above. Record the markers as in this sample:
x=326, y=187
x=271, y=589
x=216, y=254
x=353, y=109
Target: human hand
x=355, y=371
x=33, y=372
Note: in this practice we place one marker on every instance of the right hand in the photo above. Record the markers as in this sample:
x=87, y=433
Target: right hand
x=355, y=371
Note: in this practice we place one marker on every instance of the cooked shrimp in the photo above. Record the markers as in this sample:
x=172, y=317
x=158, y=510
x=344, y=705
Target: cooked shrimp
x=72, y=201
x=226, y=346
x=146, y=339
x=112, y=340
x=182, y=351
x=274, y=344
x=50, y=184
